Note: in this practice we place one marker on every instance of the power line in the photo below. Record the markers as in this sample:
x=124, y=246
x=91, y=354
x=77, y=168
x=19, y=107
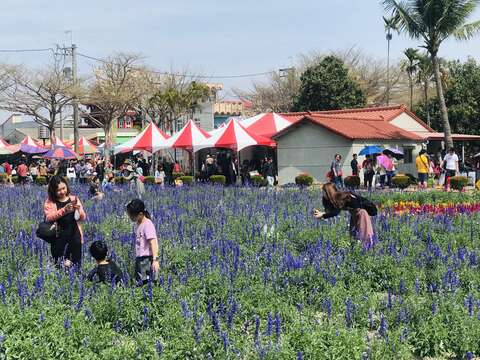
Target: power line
x=188, y=75
x=25, y=50
x=152, y=71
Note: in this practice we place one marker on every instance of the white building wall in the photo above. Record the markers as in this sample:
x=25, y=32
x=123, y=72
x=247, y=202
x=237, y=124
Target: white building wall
x=406, y=122
x=311, y=148
x=308, y=148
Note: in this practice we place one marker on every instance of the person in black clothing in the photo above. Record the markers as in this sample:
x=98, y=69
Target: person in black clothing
x=244, y=172
x=360, y=208
x=106, y=271
x=168, y=168
x=368, y=172
x=62, y=169
x=66, y=211
x=354, y=165
x=100, y=170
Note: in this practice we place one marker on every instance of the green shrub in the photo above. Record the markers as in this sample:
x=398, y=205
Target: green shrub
x=119, y=180
x=430, y=182
x=401, y=181
x=352, y=181
x=218, y=179
x=458, y=182
x=258, y=180
x=149, y=180
x=41, y=180
x=304, y=180
x=187, y=180
x=3, y=178
x=15, y=179
x=413, y=179
x=177, y=175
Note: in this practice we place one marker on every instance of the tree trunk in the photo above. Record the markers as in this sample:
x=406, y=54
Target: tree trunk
x=443, y=106
x=107, y=129
x=51, y=128
x=52, y=134
x=411, y=90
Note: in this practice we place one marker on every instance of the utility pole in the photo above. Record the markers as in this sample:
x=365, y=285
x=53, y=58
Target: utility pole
x=75, y=101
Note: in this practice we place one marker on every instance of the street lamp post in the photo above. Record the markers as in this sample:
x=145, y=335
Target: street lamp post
x=389, y=38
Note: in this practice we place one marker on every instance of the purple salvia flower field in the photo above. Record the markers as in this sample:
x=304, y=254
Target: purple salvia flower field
x=244, y=274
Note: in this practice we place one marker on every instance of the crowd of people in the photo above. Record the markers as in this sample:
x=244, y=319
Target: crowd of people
x=227, y=165
x=440, y=168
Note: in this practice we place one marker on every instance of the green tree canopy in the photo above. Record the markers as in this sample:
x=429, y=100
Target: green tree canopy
x=435, y=21
x=328, y=86
x=462, y=96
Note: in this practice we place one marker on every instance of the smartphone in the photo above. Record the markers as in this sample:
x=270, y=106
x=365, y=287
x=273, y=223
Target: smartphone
x=74, y=201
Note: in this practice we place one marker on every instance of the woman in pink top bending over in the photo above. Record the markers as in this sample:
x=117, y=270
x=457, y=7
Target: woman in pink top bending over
x=146, y=243
x=67, y=211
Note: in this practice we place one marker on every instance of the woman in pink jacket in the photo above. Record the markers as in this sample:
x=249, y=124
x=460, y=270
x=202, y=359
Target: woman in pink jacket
x=66, y=210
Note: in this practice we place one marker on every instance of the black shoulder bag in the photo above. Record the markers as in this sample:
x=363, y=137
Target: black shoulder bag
x=47, y=231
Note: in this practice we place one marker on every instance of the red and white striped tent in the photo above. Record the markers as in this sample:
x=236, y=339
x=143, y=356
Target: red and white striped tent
x=266, y=124
x=57, y=142
x=7, y=149
x=85, y=146
x=151, y=139
x=188, y=137
x=233, y=136
x=30, y=146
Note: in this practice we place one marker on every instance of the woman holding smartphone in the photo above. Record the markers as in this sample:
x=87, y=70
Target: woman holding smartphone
x=66, y=210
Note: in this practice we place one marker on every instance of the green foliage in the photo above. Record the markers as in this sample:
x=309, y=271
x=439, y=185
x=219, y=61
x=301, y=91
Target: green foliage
x=435, y=21
x=176, y=98
x=458, y=182
x=328, y=86
x=258, y=180
x=218, y=179
x=177, y=175
x=187, y=180
x=41, y=180
x=352, y=182
x=462, y=96
x=149, y=180
x=15, y=179
x=304, y=180
x=119, y=180
x=401, y=181
x=3, y=178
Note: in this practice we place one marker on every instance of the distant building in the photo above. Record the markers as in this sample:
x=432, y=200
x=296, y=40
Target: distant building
x=311, y=142
x=16, y=127
x=231, y=108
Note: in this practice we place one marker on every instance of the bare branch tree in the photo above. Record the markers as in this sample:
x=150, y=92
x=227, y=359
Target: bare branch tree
x=114, y=91
x=40, y=94
x=277, y=94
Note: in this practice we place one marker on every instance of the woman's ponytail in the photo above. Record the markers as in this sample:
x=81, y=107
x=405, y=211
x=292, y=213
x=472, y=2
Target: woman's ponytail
x=137, y=207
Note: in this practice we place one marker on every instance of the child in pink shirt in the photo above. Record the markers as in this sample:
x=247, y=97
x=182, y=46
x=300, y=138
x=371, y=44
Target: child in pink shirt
x=146, y=243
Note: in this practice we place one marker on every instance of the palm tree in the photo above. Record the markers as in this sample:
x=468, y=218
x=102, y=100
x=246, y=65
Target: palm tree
x=411, y=67
x=389, y=26
x=434, y=21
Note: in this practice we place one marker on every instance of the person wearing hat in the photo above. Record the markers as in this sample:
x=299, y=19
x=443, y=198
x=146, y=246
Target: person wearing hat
x=133, y=179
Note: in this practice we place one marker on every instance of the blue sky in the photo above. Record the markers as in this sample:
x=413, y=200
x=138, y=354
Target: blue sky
x=209, y=37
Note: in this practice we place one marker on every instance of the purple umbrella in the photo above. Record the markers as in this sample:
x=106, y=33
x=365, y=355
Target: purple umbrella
x=60, y=152
x=395, y=152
